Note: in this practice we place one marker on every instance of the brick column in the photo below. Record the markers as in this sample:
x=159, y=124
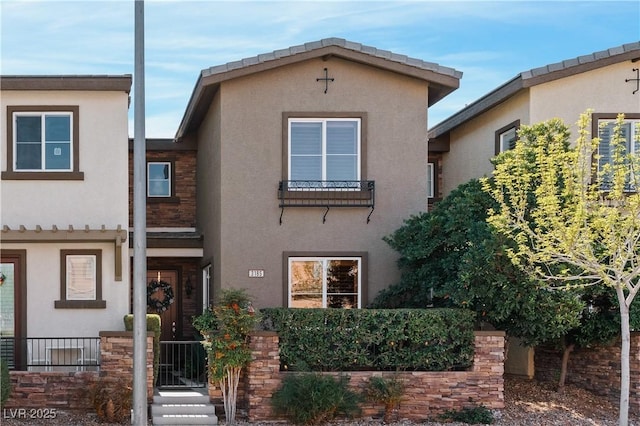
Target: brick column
x=116, y=362
x=262, y=374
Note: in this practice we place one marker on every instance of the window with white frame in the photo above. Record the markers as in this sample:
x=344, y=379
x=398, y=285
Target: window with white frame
x=324, y=149
x=506, y=137
x=630, y=133
x=430, y=180
x=81, y=279
x=43, y=141
x=159, y=179
x=206, y=281
x=325, y=282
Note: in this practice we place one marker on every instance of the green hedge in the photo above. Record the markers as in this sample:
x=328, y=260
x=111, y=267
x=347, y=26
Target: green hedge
x=5, y=382
x=153, y=324
x=372, y=339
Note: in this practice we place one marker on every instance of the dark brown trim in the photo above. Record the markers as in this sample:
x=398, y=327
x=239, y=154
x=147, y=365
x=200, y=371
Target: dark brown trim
x=440, y=144
x=363, y=136
x=42, y=175
x=118, y=83
x=364, y=264
x=513, y=125
x=19, y=258
x=64, y=303
x=75, y=174
x=167, y=144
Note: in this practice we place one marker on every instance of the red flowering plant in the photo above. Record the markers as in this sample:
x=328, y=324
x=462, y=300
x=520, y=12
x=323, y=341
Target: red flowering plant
x=226, y=327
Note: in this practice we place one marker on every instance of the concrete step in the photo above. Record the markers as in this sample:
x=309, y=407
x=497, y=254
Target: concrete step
x=182, y=408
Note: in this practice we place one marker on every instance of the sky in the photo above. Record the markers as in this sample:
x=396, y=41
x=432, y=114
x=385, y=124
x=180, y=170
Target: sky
x=489, y=41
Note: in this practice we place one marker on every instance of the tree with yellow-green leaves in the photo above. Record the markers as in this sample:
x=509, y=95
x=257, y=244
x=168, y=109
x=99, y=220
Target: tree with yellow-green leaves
x=574, y=217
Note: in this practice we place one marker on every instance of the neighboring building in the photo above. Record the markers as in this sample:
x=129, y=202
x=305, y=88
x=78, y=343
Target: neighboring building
x=606, y=82
x=462, y=146
x=306, y=158
x=174, y=247
x=64, y=207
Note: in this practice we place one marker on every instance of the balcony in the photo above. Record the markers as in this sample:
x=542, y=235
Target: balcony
x=327, y=194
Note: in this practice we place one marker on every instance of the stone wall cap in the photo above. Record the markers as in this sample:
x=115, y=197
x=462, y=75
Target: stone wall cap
x=490, y=333
x=263, y=333
x=120, y=333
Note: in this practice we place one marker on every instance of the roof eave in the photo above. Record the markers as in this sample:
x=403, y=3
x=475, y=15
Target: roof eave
x=440, y=83
x=115, y=83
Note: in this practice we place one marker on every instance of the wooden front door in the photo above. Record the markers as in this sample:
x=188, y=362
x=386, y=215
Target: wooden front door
x=13, y=309
x=168, y=318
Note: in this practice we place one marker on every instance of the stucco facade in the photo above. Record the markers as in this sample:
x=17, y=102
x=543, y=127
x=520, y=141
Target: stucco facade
x=241, y=140
x=44, y=214
x=565, y=90
x=601, y=82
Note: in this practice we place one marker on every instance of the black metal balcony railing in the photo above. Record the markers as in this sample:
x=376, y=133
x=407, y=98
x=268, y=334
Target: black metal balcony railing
x=327, y=194
x=51, y=353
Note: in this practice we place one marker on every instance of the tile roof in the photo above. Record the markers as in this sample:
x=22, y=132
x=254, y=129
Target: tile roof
x=537, y=76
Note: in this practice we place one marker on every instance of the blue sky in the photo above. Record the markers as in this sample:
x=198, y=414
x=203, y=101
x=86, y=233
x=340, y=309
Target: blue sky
x=489, y=41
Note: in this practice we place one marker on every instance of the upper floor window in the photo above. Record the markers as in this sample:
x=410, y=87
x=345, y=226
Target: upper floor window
x=43, y=143
x=630, y=133
x=324, y=149
x=325, y=282
x=159, y=179
x=506, y=137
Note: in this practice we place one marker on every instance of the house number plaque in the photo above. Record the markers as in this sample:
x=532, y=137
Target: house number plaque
x=256, y=273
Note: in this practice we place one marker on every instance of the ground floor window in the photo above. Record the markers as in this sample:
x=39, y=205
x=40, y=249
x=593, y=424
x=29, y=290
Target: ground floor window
x=325, y=281
x=80, y=279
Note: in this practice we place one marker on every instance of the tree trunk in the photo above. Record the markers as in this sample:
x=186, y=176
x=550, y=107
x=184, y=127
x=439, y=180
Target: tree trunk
x=566, y=352
x=625, y=336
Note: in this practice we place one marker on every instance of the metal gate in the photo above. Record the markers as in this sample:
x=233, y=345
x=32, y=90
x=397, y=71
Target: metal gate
x=182, y=365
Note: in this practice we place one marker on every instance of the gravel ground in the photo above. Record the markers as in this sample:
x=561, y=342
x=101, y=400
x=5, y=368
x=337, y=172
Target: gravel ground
x=527, y=403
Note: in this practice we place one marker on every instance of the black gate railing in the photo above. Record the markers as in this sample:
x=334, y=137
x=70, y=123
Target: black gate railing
x=182, y=365
x=51, y=353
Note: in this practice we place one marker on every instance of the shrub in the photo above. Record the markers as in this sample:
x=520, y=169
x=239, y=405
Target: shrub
x=112, y=399
x=385, y=391
x=153, y=324
x=225, y=328
x=373, y=339
x=309, y=398
x=478, y=414
x=5, y=382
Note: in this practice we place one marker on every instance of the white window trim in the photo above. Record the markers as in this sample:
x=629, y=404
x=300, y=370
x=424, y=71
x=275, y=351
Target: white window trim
x=206, y=279
x=430, y=180
x=633, y=139
x=503, y=140
x=323, y=122
x=324, y=261
x=166, y=163
x=43, y=141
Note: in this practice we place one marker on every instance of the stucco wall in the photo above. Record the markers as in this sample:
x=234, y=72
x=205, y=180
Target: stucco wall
x=100, y=199
x=603, y=90
x=250, y=162
x=472, y=144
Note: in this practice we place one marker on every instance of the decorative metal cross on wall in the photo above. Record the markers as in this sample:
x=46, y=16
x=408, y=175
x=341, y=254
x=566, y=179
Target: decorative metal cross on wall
x=326, y=80
x=637, y=80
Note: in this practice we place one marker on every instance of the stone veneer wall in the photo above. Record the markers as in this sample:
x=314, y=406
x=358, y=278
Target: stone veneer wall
x=70, y=390
x=427, y=393
x=596, y=369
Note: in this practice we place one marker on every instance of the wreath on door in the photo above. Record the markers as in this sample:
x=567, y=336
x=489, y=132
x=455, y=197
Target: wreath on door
x=159, y=305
